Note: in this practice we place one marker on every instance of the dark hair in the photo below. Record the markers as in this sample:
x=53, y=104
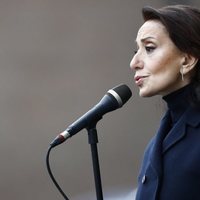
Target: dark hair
x=183, y=25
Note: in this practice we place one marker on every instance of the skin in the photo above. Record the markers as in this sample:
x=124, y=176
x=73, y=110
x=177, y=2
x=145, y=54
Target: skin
x=158, y=62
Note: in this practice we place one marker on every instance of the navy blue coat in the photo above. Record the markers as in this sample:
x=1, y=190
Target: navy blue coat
x=171, y=165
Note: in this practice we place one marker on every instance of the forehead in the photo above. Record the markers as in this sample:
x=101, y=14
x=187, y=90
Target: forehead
x=153, y=29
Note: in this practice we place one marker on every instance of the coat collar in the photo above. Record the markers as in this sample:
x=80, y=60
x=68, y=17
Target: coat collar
x=162, y=144
x=191, y=117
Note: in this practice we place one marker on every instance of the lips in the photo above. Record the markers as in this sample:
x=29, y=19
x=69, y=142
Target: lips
x=139, y=79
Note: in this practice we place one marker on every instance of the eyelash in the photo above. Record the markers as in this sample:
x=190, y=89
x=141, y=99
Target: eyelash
x=148, y=49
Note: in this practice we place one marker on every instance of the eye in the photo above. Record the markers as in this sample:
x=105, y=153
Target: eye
x=135, y=52
x=149, y=49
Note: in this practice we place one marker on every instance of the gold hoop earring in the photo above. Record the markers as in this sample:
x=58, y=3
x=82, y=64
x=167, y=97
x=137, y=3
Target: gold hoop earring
x=182, y=75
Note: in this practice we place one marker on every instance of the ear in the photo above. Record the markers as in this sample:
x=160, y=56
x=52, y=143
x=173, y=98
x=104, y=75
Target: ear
x=189, y=63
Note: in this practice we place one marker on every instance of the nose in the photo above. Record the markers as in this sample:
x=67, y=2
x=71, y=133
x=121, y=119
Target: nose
x=136, y=62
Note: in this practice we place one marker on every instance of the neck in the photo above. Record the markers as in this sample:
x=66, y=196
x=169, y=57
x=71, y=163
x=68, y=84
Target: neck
x=175, y=88
x=178, y=102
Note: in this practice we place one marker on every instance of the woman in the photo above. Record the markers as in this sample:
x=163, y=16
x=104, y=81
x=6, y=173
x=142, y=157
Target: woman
x=167, y=63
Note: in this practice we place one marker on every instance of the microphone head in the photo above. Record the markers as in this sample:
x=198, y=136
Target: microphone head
x=122, y=93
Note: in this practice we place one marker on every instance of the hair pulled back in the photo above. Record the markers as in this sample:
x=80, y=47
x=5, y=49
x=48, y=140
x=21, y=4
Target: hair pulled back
x=183, y=25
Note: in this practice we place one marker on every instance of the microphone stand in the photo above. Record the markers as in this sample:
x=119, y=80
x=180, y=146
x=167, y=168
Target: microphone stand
x=93, y=140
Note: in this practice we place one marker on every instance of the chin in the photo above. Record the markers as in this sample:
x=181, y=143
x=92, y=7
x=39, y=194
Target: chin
x=144, y=93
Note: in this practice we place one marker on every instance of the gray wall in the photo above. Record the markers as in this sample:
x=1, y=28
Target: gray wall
x=57, y=59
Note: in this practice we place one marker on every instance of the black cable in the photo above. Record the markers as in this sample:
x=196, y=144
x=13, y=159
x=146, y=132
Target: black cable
x=51, y=175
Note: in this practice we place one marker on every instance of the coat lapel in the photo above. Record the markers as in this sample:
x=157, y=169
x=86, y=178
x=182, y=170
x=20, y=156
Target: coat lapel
x=177, y=133
x=156, y=158
x=166, y=139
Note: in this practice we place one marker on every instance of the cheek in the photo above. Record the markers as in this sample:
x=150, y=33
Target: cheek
x=163, y=74
x=166, y=67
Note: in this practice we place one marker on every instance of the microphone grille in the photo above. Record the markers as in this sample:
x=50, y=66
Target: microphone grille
x=123, y=91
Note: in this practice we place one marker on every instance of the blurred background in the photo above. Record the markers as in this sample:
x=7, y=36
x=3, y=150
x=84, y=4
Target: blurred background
x=57, y=60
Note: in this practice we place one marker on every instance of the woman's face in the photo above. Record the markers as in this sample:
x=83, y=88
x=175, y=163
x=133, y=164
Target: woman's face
x=157, y=62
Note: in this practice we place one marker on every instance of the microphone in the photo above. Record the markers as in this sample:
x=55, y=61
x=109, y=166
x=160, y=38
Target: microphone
x=112, y=100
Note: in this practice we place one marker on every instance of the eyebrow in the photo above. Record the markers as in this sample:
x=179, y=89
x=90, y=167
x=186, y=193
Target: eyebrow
x=146, y=38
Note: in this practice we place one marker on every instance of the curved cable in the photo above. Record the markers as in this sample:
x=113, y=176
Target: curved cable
x=51, y=175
